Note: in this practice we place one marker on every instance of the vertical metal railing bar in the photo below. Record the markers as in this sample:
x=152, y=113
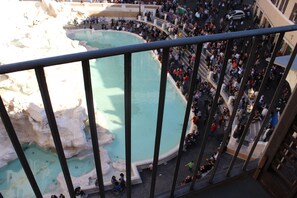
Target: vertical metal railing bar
x=250, y=64
x=284, y=156
x=227, y=53
x=54, y=128
x=211, y=114
x=293, y=192
x=274, y=100
x=263, y=83
x=276, y=170
x=266, y=75
x=186, y=118
x=127, y=93
x=18, y=148
x=162, y=93
x=232, y=117
x=92, y=122
x=262, y=87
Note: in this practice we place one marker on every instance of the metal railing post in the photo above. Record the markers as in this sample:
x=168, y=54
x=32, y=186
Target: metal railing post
x=212, y=112
x=266, y=75
x=39, y=65
x=127, y=93
x=54, y=128
x=92, y=122
x=273, y=102
x=186, y=118
x=250, y=63
x=18, y=149
x=226, y=135
x=161, y=103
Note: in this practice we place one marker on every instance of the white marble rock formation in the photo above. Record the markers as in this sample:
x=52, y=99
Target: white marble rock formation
x=34, y=30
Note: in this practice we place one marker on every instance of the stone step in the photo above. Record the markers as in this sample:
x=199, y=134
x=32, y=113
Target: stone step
x=253, y=131
x=203, y=70
x=220, y=180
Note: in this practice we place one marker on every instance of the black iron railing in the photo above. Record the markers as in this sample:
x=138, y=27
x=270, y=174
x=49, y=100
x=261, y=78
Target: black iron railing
x=127, y=51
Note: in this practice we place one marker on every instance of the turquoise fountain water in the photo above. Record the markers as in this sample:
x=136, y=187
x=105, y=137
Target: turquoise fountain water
x=107, y=79
x=45, y=166
x=108, y=86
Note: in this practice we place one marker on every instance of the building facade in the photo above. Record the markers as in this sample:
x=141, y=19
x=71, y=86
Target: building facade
x=273, y=13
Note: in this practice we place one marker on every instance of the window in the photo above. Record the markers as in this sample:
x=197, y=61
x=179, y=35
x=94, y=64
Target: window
x=293, y=16
x=288, y=50
x=283, y=5
x=260, y=16
x=277, y=3
x=256, y=11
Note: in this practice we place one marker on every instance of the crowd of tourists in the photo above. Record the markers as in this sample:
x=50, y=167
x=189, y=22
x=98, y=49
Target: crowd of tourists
x=119, y=185
x=77, y=191
x=203, y=169
x=206, y=19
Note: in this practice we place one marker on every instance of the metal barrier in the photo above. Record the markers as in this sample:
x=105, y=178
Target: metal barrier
x=39, y=65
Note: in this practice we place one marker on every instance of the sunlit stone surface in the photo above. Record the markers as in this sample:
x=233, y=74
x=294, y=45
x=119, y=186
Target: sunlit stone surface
x=32, y=30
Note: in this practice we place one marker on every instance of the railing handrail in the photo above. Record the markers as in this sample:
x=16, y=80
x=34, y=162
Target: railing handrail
x=75, y=57
x=127, y=51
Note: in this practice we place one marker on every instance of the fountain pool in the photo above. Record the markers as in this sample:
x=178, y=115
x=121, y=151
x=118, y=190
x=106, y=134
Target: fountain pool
x=108, y=79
